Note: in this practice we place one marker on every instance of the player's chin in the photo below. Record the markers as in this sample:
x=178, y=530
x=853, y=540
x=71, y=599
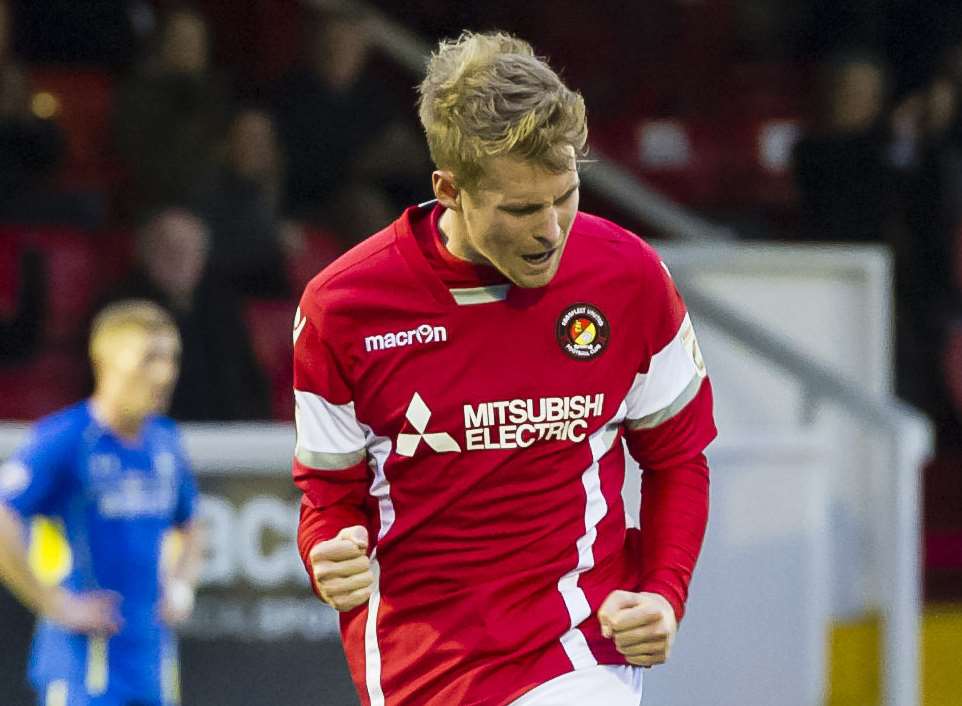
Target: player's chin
x=531, y=278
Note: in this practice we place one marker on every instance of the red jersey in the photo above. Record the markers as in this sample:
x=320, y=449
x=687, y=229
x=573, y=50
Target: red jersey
x=475, y=428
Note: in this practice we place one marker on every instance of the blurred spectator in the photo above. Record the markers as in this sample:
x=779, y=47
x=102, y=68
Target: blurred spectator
x=171, y=114
x=949, y=417
x=344, y=150
x=950, y=424
x=13, y=89
x=847, y=184
x=20, y=333
x=937, y=194
x=71, y=32
x=30, y=148
x=829, y=27
x=220, y=378
x=765, y=30
x=928, y=297
x=240, y=205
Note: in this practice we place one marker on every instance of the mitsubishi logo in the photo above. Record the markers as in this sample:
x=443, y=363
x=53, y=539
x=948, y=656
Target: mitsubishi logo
x=418, y=416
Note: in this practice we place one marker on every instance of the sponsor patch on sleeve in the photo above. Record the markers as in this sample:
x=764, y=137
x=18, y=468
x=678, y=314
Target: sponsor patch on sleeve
x=690, y=341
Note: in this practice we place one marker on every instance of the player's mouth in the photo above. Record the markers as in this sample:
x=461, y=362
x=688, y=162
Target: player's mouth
x=539, y=258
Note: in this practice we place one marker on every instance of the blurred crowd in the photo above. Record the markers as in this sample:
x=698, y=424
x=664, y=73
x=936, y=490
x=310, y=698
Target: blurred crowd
x=232, y=164
x=216, y=194
x=882, y=166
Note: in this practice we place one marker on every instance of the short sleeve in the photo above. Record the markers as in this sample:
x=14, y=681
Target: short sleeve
x=187, y=492
x=37, y=475
x=186, y=497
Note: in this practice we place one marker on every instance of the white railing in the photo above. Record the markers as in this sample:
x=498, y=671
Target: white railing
x=910, y=435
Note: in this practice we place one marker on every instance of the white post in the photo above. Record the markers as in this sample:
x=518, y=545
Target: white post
x=911, y=442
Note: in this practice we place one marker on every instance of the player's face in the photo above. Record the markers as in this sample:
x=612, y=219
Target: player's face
x=519, y=217
x=145, y=368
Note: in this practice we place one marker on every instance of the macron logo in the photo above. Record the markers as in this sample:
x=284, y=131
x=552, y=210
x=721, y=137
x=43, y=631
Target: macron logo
x=418, y=416
x=425, y=333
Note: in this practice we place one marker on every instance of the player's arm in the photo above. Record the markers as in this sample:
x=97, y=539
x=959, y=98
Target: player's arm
x=92, y=613
x=675, y=498
x=330, y=468
x=181, y=575
x=668, y=426
x=15, y=569
x=180, y=580
x=674, y=514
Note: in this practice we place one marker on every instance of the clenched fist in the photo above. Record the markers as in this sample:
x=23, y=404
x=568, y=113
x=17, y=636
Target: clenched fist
x=90, y=613
x=342, y=570
x=643, y=626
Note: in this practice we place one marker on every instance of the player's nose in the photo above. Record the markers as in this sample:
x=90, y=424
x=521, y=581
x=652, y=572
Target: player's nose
x=550, y=234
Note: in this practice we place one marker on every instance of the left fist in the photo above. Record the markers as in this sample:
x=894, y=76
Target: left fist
x=177, y=602
x=643, y=626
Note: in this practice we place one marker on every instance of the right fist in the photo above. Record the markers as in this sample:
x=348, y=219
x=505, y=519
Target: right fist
x=342, y=570
x=90, y=613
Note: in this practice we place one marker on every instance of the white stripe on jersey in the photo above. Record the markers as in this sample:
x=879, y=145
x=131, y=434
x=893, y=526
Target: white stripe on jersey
x=378, y=448
x=324, y=429
x=672, y=371
x=480, y=295
x=573, y=641
x=372, y=651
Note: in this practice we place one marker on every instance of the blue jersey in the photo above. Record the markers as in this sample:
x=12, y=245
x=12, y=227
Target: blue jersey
x=116, y=499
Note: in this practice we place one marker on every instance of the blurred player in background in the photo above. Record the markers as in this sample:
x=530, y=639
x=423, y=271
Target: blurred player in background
x=113, y=472
x=464, y=380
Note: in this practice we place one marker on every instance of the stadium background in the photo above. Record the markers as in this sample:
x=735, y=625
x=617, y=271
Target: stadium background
x=804, y=122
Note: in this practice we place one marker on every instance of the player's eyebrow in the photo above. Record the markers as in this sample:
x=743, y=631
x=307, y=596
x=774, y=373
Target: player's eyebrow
x=531, y=207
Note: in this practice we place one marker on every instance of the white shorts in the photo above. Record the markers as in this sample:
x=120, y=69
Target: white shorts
x=604, y=685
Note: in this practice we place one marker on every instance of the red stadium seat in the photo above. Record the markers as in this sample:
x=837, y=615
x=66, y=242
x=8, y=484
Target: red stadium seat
x=115, y=251
x=321, y=248
x=73, y=275
x=270, y=324
x=42, y=385
x=943, y=550
x=757, y=171
x=680, y=157
x=662, y=151
x=81, y=102
x=73, y=281
x=9, y=275
x=275, y=23
x=943, y=526
x=759, y=130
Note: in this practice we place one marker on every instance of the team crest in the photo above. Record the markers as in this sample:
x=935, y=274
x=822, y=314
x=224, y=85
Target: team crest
x=583, y=331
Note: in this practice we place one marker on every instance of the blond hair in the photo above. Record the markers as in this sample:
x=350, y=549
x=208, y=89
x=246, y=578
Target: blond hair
x=488, y=95
x=139, y=315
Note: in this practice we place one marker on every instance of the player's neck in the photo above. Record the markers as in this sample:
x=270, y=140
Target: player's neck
x=111, y=413
x=454, y=239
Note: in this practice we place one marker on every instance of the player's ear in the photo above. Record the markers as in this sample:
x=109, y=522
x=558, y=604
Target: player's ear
x=445, y=190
